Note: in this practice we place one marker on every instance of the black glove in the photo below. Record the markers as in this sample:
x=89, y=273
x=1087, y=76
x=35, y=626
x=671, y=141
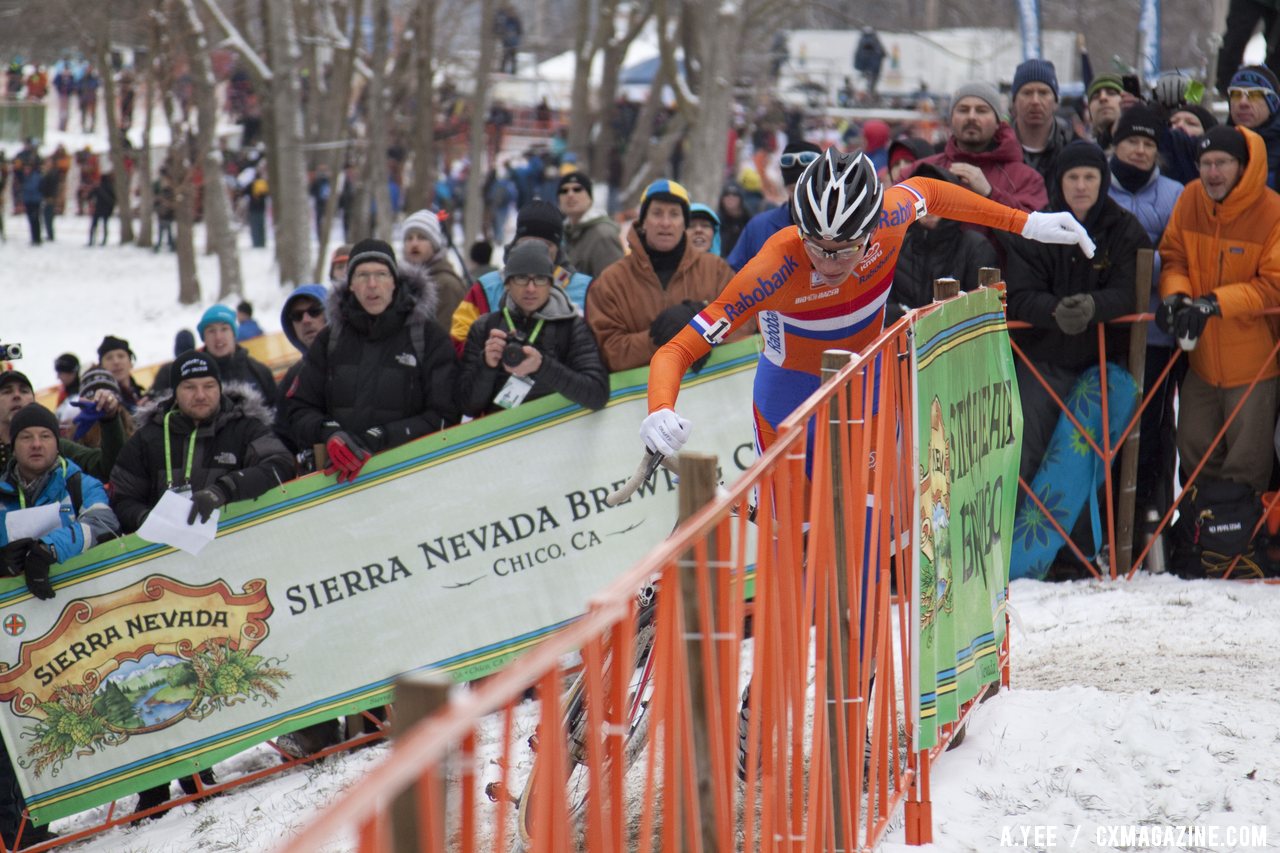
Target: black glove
x=669, y=323
x=15, y=557
x=1168, y=310
x=37, y=564
x=1074, y=313
x=205, y=501
x=893, y=312
x=1191, y=320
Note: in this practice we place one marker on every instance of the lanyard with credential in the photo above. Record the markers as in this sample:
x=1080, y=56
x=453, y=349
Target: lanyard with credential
x=168, y=455
x=511, y=326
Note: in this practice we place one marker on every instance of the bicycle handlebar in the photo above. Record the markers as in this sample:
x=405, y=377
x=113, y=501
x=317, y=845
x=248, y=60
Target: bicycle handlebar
x=648, y=464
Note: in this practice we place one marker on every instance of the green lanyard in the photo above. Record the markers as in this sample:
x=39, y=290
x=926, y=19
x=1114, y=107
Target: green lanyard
x=168, y=454
x=511, y=326
x=22, y=493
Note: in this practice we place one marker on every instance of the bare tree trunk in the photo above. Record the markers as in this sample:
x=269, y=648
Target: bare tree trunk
x=289, y=192
x=376, y=116
x=585, y=41
x=180, y=169
x=421, y=192
x=160, y=54
x=220, y=234
x=124, y=184
x=712, y=26
x=333, y=108
x=615, y=51
x=473, y=209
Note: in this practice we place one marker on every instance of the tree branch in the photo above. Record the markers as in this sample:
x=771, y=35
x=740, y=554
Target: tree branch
x=234, y=38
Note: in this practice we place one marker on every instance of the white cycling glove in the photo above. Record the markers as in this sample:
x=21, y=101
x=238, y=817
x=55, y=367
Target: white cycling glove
x=665, y=432
x=1058, y=228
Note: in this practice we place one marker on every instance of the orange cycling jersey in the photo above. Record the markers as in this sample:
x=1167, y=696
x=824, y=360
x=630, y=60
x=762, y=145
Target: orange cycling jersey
x=799, y=314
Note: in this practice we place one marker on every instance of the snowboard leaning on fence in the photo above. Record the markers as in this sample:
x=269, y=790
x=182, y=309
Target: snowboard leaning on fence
x=1071, y=474
x=968, y=438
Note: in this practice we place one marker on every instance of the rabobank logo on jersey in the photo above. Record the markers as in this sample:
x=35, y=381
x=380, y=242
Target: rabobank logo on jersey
x=901, y=214
x=765, y=287
x=775, y=348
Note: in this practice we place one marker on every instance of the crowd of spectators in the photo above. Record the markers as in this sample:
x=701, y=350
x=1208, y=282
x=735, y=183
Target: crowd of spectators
x=398, y=345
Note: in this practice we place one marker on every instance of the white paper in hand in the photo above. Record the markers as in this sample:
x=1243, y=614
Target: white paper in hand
x=32, y=523
x=167, y=524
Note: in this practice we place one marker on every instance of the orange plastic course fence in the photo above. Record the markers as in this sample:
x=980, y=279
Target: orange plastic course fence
x=649, y=759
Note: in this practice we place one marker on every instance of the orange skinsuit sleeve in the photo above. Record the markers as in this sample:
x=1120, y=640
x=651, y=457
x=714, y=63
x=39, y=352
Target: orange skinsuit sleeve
x=903, y=204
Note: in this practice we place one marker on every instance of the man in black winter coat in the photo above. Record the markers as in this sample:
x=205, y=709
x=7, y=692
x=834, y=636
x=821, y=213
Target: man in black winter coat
x=1064, y=295
x=218, y=440
x=556, y=351
x=936, y=248
x=221, y=447
x=381, y=374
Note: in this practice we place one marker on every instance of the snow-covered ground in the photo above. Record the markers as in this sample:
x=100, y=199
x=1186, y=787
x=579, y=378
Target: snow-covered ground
x=1149, y=702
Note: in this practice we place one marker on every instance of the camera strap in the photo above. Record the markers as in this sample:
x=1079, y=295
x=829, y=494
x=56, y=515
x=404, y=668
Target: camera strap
x=511, y=326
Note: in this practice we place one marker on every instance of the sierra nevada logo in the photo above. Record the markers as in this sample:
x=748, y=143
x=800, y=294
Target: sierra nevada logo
x=138, y=660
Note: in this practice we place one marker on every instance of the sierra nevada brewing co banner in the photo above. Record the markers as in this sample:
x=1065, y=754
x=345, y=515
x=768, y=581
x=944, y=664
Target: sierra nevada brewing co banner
x=969, y=435
x=453, y=553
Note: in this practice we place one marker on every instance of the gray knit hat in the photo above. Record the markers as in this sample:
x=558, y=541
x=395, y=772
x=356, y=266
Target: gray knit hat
x=983, y=91
x=371, y=250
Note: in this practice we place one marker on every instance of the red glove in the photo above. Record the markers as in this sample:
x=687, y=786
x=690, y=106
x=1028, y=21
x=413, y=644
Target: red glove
x=346, y=456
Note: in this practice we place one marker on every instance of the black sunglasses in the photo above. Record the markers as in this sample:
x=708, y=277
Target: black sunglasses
x=314, y=311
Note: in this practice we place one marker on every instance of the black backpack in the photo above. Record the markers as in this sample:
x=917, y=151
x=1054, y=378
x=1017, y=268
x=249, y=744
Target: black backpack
x=1217, y=523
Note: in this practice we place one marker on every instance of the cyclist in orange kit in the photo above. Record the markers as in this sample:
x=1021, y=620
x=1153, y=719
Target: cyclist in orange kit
x=822, y=284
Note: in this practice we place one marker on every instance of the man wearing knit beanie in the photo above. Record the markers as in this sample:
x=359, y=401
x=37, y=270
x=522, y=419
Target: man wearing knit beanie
x=217, y=330
x=35, y=477
x=644, y=289
x=983, y=153
x=591, y=239
x=1214, y=260
x=539, y=222
x=1103, y=100
x=426, y=252
x=1255, y=104
x=1035, y=98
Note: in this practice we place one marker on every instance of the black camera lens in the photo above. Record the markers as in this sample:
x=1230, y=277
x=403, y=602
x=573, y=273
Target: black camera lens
x=512, y=354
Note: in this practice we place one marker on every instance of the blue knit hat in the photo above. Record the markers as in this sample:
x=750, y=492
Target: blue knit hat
x=1258, y=77
x=217, y=314
x=1036, y=71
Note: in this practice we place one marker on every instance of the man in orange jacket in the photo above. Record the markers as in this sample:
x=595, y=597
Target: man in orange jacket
x=1220, y=267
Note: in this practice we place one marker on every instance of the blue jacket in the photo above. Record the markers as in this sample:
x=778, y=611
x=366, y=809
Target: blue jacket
x=1152, y=204
x=81, y=530
x=759, y=229
x=31, y=195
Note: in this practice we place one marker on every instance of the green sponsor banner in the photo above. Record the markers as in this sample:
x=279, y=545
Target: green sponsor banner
x=969, y=436
x=454, y=553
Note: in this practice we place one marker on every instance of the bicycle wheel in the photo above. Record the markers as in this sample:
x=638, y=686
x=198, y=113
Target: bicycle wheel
x=576, y=720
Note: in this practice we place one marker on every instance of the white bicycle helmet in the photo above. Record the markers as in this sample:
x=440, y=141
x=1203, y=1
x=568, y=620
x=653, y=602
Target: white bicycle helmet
x=837, y=197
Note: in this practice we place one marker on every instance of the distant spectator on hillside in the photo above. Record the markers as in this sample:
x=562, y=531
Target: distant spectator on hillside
x=868, y=58
x=247, y=328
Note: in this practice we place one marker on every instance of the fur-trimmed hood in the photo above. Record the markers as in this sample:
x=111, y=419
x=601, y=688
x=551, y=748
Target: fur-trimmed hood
x=239, y=400
x=416, y=299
